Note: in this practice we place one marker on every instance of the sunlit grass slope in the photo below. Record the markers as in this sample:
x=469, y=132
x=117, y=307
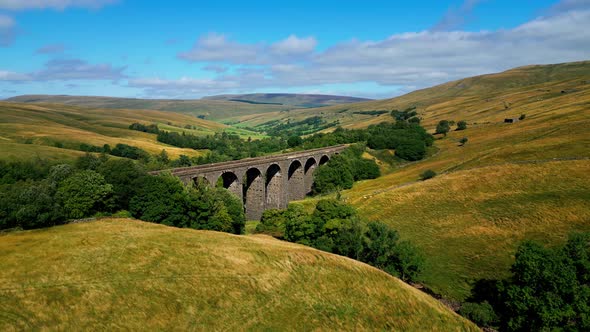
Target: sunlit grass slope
x=481, y=99
x=212, y=109
x=510, y=182
x=131, y=275
x=42, y=126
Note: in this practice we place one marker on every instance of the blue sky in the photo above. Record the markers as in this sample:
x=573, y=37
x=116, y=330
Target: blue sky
x=187, y=49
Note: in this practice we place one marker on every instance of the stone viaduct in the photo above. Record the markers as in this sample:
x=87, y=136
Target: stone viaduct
x=268, y=182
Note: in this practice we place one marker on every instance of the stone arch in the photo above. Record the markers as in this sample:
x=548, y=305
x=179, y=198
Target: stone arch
x=324, y=159
x=310, y=166
x=230, y=181
x=295, y=181
x=274, y=187
x=253, y=192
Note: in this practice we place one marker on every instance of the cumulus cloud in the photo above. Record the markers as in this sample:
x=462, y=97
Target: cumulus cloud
x=7, y=26
x=66, y=70
x=216, y=47
x=51, y=48
x=412, y=59
x=568, y=5
x=53, y=4
x=294, y=45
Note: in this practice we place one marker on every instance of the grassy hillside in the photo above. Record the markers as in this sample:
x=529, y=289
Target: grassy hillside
x=480, y=99
x=218, y=110
x=510, y=182
x=293, y=99
x=29, y=130
x=124, y=274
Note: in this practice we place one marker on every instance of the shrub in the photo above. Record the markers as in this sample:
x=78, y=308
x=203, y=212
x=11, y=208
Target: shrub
x=461, y=125
x=128, y=151
x=522, y=117
x=273, y=223
x=480, y=313
x=463, y=140
x=428, y=174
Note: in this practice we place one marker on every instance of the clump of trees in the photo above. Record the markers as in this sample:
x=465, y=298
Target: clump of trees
x=409, y=140
x=549, y=290
x=343, y=169
x=52, y=195
x=336, y=227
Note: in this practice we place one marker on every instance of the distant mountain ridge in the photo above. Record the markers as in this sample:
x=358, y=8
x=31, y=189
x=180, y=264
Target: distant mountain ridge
x=219, y=108
x=293, y=99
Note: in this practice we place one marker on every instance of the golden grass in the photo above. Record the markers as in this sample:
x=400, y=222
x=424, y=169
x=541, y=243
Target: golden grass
x=505, y=185
x=470, y=222
x=125, y=274
x=46, y=124
x=217, y=110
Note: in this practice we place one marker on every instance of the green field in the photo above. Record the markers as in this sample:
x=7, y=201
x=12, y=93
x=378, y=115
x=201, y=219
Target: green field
x=510, y=182
x=130, y=275
x=482, y=99
x=217, y=110
x=34, y=130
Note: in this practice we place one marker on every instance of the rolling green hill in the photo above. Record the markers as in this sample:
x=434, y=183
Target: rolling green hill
x=31, y=130
x=485, y=98
x=218, y=110
x=508, y=183
x=131, y=275
x=292, y=99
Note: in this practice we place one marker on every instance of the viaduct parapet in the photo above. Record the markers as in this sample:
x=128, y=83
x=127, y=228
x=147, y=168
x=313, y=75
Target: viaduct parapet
x=262, y=183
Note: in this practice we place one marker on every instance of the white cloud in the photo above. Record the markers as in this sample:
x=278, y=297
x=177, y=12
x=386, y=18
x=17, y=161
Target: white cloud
x=412, y=59
x=218, y=48
x=53, y=4
x=294, y=45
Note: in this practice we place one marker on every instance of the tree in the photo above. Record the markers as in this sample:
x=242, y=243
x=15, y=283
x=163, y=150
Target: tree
x=159, y=199
x=522, y=117
x=85, y=193
x=163, y=157
x=411, y=150
x=443, y=127
x=544, y=292
x=294, y=141
x=428, y=174
x=336, y=174
x=273, y=223
x=463, y=140
x=365, y=169
x=461, y=125
x=123, y=175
